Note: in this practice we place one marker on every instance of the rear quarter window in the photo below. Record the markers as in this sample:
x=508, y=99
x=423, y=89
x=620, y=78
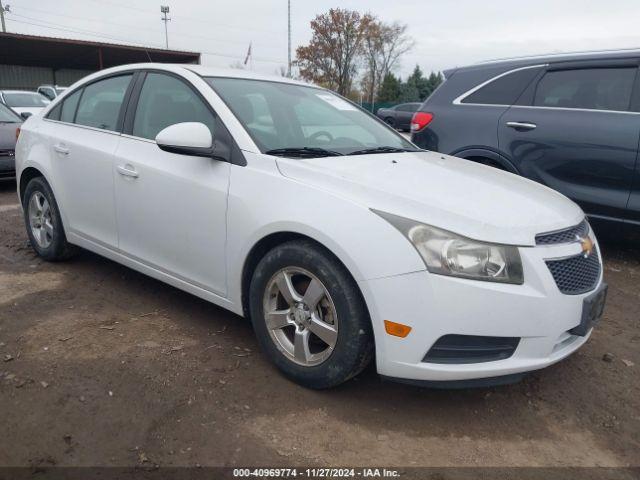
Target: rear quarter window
x=503, y=90
x=69, y=107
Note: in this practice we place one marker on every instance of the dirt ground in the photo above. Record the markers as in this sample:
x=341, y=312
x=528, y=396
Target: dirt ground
x=100, y=365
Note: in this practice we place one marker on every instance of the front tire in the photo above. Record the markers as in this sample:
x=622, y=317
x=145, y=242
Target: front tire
x=309, y=315
x=390, y=121
x=44, y=223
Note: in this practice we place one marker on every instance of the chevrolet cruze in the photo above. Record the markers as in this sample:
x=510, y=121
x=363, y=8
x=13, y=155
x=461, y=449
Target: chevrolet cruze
x=342, y=241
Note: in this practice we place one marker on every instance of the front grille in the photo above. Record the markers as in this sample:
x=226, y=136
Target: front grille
x=567, y=235
x=7, y=153
x=576, y=275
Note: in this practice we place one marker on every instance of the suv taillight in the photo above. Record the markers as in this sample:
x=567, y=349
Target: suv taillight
x=420, y=120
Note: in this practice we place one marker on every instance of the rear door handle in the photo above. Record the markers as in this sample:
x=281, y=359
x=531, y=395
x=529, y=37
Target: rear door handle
x=127, y=171
x=61, y=149
x=522, y=125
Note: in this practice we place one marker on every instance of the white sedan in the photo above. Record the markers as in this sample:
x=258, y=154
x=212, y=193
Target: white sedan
x=288, y=204
x=23, y=102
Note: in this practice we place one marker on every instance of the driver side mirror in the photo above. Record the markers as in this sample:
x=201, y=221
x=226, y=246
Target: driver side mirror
x=26, y=115
x=188, y=138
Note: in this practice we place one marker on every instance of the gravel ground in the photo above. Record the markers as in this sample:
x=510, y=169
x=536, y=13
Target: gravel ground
x=100, y=365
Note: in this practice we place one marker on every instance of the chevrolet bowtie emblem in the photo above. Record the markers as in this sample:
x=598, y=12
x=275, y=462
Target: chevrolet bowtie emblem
x=587, y=246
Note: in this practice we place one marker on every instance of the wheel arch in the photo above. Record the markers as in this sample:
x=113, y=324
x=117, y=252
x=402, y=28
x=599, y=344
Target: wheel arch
x=26, y=176
x=271, y=241
x=490, y=156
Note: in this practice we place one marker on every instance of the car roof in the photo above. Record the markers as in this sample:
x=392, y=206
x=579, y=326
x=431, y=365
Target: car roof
x=555, y=58
x=202, y=71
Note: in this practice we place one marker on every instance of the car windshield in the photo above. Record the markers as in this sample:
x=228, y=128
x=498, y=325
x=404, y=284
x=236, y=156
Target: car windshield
x=7, y=115
x=25, y=99
x=299, y=121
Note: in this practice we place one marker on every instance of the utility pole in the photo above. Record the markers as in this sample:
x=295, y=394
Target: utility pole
x=164, y=9
x=2, y=10
x=289, y=18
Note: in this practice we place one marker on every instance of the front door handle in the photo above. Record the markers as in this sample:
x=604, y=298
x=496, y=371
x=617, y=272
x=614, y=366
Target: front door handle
x=127, y=171
x=522, y=125
x=61, y=149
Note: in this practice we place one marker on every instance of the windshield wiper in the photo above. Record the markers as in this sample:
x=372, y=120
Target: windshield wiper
x=303, y=152
x=383, y=149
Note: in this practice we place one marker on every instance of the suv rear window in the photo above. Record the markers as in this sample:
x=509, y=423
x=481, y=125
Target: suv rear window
x=588, y=88
x=504, y=90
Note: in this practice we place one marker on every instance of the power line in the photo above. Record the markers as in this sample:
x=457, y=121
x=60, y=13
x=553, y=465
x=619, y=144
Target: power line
x=83, y=32
x=184, y=17
x=136, y=27
x=54, y=26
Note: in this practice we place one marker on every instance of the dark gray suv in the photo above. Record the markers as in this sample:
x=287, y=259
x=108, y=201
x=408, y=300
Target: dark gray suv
x=571, y=122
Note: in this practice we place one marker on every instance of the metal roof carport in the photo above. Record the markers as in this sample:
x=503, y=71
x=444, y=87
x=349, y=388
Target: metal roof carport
x=27, y=61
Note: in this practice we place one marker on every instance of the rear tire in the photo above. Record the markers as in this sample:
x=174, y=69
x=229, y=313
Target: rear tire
x=309, y=315
x=44, y=223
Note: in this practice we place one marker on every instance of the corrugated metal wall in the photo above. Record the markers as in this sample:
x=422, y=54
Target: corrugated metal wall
x=66, y=76
x=29, y=78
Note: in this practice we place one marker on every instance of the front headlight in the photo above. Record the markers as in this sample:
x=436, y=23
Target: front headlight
x=446, y=253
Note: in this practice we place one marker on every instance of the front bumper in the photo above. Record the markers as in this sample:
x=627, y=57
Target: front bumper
x=435, y=305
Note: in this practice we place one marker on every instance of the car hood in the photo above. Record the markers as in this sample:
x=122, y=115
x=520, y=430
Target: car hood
x=464, y=197
x=8, y=135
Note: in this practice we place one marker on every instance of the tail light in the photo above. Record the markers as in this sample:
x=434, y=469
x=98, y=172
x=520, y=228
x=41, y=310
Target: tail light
x=420, y=120
x=17, y=133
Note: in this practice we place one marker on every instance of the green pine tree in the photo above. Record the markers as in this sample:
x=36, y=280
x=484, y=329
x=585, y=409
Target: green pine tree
x=389, y=89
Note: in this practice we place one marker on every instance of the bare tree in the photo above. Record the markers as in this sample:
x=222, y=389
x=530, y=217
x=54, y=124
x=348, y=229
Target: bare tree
x=384, y=44
x=331, y=58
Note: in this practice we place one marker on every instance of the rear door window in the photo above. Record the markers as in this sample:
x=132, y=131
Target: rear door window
x=504, y=90
x=164, y=101
x=588, y=88
x=101, y=102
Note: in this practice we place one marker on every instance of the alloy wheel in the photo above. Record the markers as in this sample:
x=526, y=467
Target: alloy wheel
x=300, y=316
x=40, y=220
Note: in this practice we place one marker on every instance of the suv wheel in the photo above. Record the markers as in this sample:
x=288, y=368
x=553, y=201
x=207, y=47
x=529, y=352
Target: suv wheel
x=43, y=222
x=309, y=315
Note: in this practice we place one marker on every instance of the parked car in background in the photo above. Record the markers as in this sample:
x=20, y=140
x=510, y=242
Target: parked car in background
x=399, y=116
x=281, y=201
x=23, y=102
x=571, y=122
x=9, y=123
x=50, y=91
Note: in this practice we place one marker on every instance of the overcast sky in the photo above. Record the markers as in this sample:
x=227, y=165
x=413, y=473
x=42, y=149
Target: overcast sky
x=447, y=33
